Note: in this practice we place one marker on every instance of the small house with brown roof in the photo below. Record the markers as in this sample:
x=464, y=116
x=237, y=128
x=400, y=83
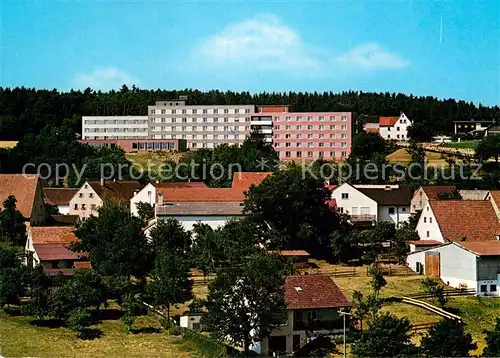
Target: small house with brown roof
x=28, y=192
x=49, y=246
x=92, y=194
x=458, y=221
x=394, y=128
x=313, y=302
x=462, y=264
x=373, y=203
x=59, y=198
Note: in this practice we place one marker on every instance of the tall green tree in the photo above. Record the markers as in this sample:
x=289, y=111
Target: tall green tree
x=12, y=276
x=170, y=235
x=493, y=341
x=206, y=252
x=488, y=147
x=378, y=280
x=365, y=145
x=293, y=204
x=245, y=303
x=114, y=241
x=386, y=336
x=39, y=293
x=447, y=338
x=12, y=222
x=145, y=211
x=170, y=283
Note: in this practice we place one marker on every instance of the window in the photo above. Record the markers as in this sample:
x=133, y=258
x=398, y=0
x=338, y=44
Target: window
x=226, y=110
x=310, y=126
x=299, y=127
x=320, y=154
x=403, y=210
x=83, y=206
x=321, y=144
x=425, y=219
x=216, y=119
x=430, y=219
x=216, y=110
x=236, y=110
x=76, y=206
x=299, y=118
x=174, y=111
x=287, y=135
x=321, y=135
x=204, y=111
x=391, y=211
x=309, y=144
x=287, y=145
x=428, y=234
x=310, y=135
x=484, y=288
x=493, y=288
x=194, y=111
x=287, y=118
x=309, y=118
x=345, y=195
x=299, y=154
x=321, y=118
x=91, y=195
x=184, y=111
x=321, y=126
x=93, y=206
x=309, y=154
x=287, y=154
x=204, y=120
x=80, y=195
x=332, y=126
x=397, y=128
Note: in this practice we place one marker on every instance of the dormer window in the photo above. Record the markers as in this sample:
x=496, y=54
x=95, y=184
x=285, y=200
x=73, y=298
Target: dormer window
x=298, y=289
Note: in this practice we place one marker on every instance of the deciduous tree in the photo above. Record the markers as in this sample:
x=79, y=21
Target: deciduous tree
x=12, y=222
x=493, y=341
x=447, y=338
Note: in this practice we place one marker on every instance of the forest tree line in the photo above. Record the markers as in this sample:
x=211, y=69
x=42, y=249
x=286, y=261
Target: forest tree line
x=28, y=110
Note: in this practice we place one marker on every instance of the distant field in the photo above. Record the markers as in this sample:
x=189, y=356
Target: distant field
x=402, y=156
x=154, y=158
x=7, y=144
x=466, y=144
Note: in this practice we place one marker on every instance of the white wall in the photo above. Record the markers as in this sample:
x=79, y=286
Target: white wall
x=188, y=221
x=427, y=226
x=457, y=266
x=401, y=214
x=146, y=195
x=355, y=201
x=63, y=209
x=85, y=196
x=418, y=200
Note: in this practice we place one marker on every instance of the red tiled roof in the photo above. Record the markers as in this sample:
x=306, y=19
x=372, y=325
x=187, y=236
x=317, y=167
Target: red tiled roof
x=244, y=180
x=487, y=248
x=82, y=264
x=433, y=191
x=473, y=219
x=387, y=121
x=290, y=252
x=23, y=187
x=332, y=203
x=52, y=234
x=425, y=242
x=313, y=291
x=372, y=130
x=193, y=184
x=202, y=194
x=53, y=252
x=58, y=196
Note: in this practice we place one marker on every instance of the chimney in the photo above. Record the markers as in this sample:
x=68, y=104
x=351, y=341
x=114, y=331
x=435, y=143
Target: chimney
x=160, y=198
x=102, y=181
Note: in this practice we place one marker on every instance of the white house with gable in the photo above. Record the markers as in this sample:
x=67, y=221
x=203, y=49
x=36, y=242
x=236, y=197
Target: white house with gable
x=394, y=128
x=373, y=203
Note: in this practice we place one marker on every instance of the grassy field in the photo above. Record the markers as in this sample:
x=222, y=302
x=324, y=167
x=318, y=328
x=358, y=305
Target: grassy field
x=402, y=156
x=470, y=144
x=153, y=158
x=20, y=338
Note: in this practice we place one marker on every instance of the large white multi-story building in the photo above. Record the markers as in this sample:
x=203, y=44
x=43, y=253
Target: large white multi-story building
x=114, y=127
x=203, y=126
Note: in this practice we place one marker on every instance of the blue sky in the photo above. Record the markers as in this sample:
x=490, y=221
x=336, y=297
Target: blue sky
x=440, y=48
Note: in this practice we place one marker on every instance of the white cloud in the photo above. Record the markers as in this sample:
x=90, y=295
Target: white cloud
x=372, y=56
x=104, y=78
x=266, y=43
x=263, y=42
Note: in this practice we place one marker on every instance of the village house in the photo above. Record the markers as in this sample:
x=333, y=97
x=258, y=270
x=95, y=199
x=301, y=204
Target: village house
x=149, y=194
x=49, y=246
x=390, y=128
x=92, y=194
x=462, y=264
x=313, y=302
x=373, y=203
x=28, y=192
x=458, y=220
x=59, y=198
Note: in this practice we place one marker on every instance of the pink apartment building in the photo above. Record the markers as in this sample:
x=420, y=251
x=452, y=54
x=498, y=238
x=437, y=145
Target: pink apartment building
x=305, y=136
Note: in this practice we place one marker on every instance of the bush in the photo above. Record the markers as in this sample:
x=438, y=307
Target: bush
x=78, y=320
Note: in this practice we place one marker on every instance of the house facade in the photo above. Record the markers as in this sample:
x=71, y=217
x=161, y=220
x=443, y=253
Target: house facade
x=394, y=128
x=373, y=203
x=313, y=302
x=59, y=198
x=458, y=220
x=92, y=194
x=472, y=265
x=29, y=195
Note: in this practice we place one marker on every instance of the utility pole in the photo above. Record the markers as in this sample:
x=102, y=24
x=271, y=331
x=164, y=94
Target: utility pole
x=344, y=314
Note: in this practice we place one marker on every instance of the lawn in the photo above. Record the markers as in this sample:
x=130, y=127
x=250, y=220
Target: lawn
x=433, y=159
x=466, y=144
x=20, y=338
x=153, y=158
